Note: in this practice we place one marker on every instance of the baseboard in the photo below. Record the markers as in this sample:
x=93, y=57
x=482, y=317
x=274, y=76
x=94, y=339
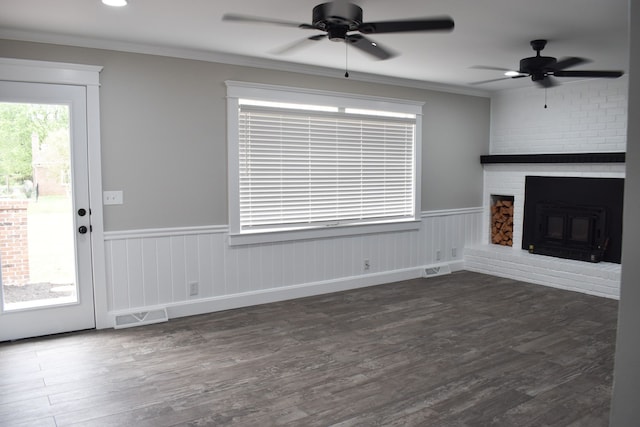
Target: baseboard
x=229, y=302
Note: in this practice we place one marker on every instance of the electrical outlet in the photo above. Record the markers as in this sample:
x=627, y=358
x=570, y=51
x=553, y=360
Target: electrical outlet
x=454, y=252
x=112, y=197
x=366, y=264
x=193, y=289
x=438, y=255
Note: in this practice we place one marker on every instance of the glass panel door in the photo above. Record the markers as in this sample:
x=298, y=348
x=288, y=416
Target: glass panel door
x=45, y=251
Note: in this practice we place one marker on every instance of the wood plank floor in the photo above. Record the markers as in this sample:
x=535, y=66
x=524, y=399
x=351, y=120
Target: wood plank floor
x=464, y=349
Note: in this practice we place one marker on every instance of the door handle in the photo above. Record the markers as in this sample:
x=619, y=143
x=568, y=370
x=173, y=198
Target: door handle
x=82, y=229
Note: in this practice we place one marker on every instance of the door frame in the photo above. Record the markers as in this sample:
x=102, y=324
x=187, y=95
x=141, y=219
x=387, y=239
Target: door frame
x=20, y=70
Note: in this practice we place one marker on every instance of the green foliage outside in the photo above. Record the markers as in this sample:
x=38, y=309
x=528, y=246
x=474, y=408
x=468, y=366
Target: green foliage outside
x=20, y=124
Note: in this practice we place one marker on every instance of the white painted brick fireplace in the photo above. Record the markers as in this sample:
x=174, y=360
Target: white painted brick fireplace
x=582, y=117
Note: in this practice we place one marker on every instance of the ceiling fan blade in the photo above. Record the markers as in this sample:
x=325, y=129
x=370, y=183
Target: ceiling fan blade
x=318, y=37
x=519, y=76
x=486, y=67
x=232, y=17
x=489, y=81
x=546, y=82
x=297, y=45
x=369, y=46
x=431, y=24
x=569, y=62
x=586, y=73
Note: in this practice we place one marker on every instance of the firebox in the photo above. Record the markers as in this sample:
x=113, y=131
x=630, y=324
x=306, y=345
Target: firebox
x=570, y=231
x=574, y=218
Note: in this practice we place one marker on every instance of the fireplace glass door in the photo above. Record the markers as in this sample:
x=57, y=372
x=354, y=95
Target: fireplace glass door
x=570, y=231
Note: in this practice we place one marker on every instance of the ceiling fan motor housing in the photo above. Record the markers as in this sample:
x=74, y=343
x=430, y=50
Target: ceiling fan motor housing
x=537, y=66
x=325, y=18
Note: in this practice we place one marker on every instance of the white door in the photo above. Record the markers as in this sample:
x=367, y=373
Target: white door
x=45, y=217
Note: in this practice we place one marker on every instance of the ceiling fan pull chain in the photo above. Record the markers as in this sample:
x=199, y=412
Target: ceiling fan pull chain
x=346, y=59
x=545, y=97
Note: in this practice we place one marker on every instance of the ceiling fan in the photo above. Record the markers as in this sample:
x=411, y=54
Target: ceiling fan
x=342, y=21
x=542, y=69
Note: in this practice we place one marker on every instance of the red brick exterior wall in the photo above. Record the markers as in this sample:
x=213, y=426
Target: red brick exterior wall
x=14, y=242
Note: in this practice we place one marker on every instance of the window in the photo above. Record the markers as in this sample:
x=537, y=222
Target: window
x=310, y=164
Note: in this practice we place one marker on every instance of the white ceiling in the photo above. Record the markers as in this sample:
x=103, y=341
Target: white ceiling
x=487, y=32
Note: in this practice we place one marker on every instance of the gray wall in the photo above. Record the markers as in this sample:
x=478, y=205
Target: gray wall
x=625, y=407
x=163, y=124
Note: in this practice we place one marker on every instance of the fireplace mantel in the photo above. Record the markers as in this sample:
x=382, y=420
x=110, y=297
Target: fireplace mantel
x=614, y=157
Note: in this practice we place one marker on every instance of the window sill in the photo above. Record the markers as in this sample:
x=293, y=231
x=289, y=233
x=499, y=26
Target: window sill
x=320, y=233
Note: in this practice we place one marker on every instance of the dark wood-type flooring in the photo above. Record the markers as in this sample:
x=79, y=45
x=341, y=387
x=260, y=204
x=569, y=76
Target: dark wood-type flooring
x=464, y=349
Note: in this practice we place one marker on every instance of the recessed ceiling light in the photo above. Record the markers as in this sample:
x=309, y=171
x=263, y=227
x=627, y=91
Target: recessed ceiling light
x=512, y=73
x=116, y=3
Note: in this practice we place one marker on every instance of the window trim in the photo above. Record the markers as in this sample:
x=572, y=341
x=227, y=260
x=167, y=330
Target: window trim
x=257, y=91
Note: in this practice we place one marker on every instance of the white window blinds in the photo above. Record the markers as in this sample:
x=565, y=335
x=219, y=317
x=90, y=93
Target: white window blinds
x=301, y=168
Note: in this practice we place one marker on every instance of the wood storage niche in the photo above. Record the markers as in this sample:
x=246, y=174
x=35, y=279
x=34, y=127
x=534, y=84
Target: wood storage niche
x=501, y=220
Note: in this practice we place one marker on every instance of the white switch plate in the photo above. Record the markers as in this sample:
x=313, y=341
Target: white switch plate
x=112, y=197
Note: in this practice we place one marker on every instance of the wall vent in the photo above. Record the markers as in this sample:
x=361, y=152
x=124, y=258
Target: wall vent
x=438, y=270
x=141, y=318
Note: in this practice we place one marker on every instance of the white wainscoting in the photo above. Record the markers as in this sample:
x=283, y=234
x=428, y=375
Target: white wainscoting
x=150, y=269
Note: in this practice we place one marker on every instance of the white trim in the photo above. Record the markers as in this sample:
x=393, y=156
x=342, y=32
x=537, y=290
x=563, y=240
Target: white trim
x=246, y=299
x=233, y=159
x=449, y=212
x=164, y=232
x=268, y=92
x=20, y=70
x=231, y=59
x=94, y=161
x=320, y=233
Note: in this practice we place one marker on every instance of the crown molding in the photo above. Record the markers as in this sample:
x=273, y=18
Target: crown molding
x=231, y=59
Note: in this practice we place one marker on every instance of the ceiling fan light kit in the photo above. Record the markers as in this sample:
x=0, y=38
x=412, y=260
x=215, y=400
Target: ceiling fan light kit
x=115, y=3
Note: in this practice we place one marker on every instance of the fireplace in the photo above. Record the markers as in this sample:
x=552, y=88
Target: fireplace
x=603, y=173
x=574, y=218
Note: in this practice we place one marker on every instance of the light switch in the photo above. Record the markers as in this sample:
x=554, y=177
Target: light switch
x=112, y=197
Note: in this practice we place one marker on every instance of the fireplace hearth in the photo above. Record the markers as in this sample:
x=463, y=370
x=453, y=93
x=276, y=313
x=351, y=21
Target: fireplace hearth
x=574, y=218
